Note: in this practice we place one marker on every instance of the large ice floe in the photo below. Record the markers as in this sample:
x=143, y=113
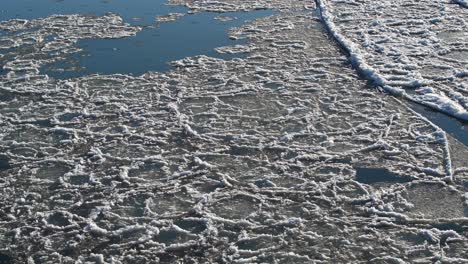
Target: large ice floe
x=286, y=155
x=415, y=49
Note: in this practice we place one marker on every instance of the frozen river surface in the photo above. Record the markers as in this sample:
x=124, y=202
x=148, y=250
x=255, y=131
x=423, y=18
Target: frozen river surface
x=233, y=131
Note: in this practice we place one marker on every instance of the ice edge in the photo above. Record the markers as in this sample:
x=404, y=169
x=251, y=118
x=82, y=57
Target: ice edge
x=371, y=74
x=360, y=64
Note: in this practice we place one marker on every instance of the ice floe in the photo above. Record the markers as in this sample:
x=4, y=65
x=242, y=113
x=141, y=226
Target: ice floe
x=392, y=44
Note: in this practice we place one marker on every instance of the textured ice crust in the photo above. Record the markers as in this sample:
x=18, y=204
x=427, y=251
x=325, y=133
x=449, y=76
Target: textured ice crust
x=416, y=50
x=244, y=5
x=169, y=17
x=250, y=160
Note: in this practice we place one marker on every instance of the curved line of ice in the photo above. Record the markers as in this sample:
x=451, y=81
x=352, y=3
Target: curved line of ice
x=437, y=102
x=360, y=64
x=447, y=155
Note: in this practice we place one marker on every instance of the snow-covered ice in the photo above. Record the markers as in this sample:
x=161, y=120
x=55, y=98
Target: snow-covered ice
x=405, y=46
x=259, y=159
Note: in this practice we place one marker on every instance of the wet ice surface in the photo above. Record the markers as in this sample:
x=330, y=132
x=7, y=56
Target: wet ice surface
x=259, y=159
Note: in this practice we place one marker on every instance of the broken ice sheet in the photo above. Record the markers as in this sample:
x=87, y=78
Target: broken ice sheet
x=252, y=159
x=392, y=48
x=169, y=17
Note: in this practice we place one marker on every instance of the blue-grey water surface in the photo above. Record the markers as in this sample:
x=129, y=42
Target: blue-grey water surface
x=150, y=50
x=455, y=127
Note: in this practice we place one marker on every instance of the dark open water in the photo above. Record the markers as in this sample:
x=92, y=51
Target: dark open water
x=150, y=50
